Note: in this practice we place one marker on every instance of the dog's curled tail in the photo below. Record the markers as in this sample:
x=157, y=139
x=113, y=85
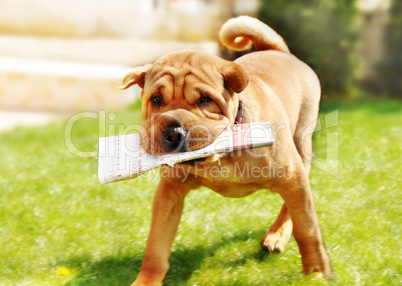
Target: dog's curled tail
x=241, y=33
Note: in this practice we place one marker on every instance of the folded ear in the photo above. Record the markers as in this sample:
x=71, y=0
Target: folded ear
x=235, y=76
x=136, y=76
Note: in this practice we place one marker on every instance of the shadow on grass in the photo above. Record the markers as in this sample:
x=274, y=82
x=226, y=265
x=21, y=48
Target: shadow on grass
x=122, y=271
x=108, y=271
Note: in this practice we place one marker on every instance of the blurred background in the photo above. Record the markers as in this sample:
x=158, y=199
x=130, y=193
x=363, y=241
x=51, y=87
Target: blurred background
x=65, y=56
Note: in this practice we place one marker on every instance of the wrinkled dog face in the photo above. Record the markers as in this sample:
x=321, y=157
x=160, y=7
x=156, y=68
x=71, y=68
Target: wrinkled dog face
x=187, y=100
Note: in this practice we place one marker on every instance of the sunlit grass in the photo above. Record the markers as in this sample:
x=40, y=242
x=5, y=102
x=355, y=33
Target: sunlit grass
x=58, y=226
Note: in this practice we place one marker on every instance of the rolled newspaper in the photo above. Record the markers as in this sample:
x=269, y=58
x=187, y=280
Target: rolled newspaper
x=122, y=157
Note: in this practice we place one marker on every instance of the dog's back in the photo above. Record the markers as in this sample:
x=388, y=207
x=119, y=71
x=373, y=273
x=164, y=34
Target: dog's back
x=291, y=87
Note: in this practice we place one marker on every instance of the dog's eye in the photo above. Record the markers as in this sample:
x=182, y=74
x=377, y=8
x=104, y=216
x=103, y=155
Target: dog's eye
x=204, y=100
x=157, y=100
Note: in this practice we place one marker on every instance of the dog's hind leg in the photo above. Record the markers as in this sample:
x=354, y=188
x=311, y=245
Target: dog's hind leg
x=278, y=235
x=306, y=231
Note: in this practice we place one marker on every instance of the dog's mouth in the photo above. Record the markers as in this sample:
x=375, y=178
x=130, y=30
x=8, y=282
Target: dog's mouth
x=210, y=159
x=194, y=162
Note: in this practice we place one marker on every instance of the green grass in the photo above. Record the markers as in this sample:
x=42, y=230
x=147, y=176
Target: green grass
x=54, y=214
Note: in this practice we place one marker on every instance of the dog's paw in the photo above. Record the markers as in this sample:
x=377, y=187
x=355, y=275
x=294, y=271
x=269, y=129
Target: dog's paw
x=142, y=283
x=272, y=243
x=145, y=282
x=276, y=240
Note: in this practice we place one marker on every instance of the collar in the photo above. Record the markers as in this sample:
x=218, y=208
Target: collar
x=239, y=117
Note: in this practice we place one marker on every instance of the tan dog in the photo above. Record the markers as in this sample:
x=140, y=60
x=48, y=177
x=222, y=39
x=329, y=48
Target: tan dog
x=189, y=97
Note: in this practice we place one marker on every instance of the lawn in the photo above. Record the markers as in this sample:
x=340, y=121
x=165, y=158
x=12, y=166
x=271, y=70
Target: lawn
x=58, y=226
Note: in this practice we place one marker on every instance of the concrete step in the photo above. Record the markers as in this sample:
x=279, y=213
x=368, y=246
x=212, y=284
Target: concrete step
x=59, y=86
x=124, y=52
x=69, y=75
x=12, y=119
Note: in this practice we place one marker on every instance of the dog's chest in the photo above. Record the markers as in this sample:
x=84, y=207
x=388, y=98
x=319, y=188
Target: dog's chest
x=234, y=176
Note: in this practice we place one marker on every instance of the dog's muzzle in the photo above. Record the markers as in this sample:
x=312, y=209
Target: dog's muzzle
x=174, y=138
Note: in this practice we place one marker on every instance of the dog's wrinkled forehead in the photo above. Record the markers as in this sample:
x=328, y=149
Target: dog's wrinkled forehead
x=192, y=74
x=176, y=66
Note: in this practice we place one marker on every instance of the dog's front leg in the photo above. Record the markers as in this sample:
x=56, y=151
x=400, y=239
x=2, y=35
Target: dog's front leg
x=166, y=213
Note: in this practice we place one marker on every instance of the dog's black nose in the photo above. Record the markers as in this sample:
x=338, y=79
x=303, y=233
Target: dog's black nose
x=174, y=138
